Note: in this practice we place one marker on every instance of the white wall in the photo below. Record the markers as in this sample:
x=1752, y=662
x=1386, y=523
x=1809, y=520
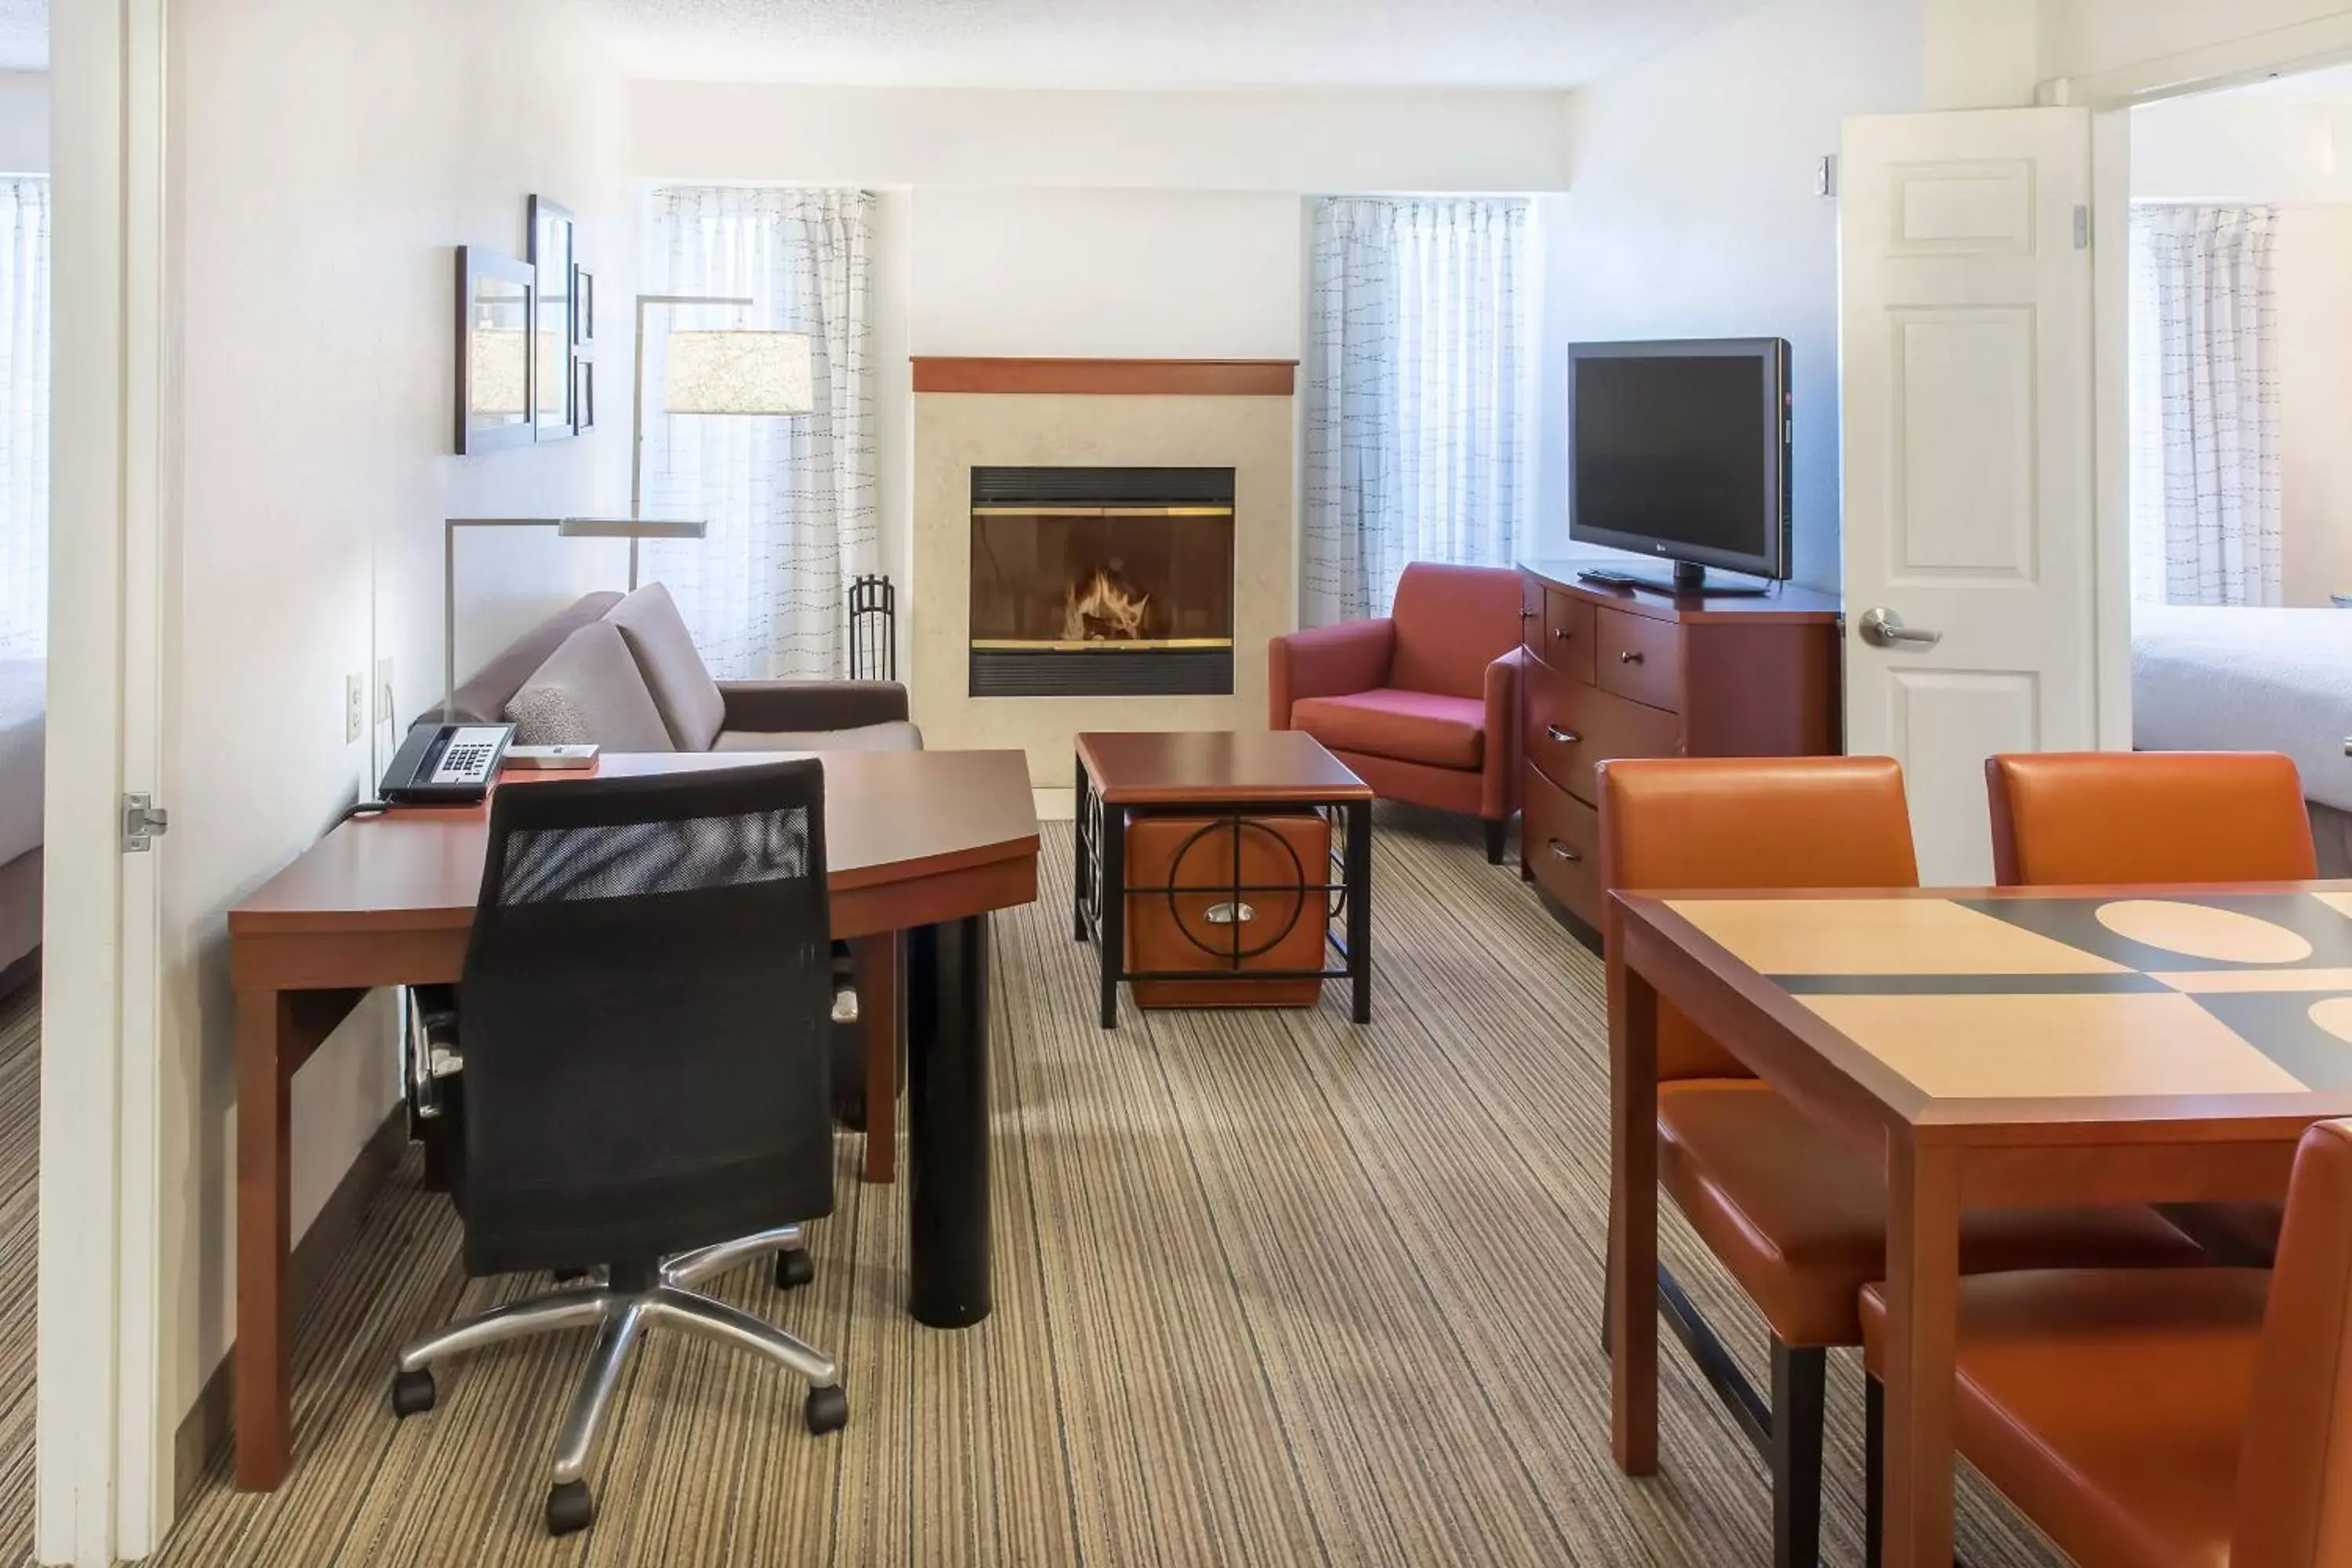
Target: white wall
x=1086, y=224
x=24, y=122
x=2296, y=155
x=330, y=154
x=1692, y=213
x=2080, y=37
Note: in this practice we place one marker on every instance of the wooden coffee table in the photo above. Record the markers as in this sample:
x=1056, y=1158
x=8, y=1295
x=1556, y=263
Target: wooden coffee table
x=1123, y=776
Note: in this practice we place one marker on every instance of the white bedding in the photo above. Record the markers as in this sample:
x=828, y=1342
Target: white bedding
x=22, y=703
x=2230, y=680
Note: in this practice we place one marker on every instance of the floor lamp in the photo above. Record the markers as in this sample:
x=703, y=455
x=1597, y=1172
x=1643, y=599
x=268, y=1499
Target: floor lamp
x=632, y=529
x=739, y=371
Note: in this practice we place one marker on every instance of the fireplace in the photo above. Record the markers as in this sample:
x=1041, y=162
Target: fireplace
x=1102, y=581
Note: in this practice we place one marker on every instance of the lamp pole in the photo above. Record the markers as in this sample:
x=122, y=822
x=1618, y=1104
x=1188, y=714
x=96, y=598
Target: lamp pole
x=637, y=403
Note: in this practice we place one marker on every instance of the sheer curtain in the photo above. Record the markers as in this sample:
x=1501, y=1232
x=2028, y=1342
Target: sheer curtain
x=789, y=502
x=2204, y=405
x=1417, y=394
x=24, y=417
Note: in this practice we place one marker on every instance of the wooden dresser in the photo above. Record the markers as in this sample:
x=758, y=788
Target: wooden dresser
x=1613, y=673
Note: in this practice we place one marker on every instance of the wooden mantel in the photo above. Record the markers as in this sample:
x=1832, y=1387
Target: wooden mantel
x=1111, y=377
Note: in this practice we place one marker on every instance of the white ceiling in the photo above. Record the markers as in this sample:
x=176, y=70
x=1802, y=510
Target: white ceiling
x=24, y=35
x=1149, y=43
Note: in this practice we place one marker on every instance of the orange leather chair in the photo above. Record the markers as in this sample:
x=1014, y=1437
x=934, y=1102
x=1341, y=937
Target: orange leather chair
x=2198, y=1418
x=1798, y=1222
x=2072, y=817
x=2156, y=817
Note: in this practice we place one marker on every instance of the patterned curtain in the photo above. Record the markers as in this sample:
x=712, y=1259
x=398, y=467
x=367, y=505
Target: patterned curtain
x=789, y=502
x=1417, y=394
x=2204, y=406
x=24, y=417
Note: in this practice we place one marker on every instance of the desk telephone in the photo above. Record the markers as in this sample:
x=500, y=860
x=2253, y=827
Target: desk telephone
x=446, y=765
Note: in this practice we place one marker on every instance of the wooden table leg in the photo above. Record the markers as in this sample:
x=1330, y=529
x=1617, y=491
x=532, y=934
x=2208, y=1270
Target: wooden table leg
x=1634, y=1217
x=878, y=1011
x=264, y=1237
x=1923, y=1266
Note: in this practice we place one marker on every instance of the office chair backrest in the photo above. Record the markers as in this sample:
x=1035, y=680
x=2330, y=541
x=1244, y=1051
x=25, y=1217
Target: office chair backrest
x=645, y=1017
x=2295, y=1476
x=1749, y=823
x=2072, y=817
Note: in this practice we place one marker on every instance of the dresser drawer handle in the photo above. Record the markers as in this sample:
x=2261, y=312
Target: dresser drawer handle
x=1562, y=634
x=1628, y=657
x=1565, y=737
x=1562, y=852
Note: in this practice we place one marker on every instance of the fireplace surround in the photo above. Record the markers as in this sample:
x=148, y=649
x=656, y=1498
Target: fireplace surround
x=1102, y=581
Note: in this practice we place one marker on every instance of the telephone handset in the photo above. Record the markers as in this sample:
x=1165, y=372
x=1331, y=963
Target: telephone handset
x=446, y=765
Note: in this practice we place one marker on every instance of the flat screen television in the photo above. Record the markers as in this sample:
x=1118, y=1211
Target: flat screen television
x=1680, y=451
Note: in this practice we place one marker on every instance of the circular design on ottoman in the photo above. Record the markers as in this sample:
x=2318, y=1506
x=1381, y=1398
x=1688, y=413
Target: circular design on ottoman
x=2334, y=1014
x=2201, y=930
x=1213, y=943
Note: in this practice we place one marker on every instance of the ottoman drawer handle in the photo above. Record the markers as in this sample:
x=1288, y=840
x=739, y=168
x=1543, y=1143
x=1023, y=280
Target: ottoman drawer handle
x=1229, y=914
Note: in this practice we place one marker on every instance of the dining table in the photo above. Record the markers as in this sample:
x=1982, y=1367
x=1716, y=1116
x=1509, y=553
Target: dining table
x=1985, y=1048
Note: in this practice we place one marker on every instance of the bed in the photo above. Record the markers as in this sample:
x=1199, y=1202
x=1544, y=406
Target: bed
x=2247, y=680
x=23, y=735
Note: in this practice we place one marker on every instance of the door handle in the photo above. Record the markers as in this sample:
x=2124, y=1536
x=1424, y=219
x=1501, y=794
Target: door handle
x=1565, y=737
x=1630, y=657
x=1562, y=852
x=1881, y=628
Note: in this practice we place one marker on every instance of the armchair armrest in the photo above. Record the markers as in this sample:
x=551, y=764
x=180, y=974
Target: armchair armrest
x=1328, y=661
x=809, y=705
x=1499, y=784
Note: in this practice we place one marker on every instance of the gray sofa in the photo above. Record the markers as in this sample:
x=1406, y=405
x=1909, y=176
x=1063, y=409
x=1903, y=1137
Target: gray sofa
x=623, y=673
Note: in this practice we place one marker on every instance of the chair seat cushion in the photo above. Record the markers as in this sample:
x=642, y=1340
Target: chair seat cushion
x=2109, y=1406
x=895, y=736
x=1407, y=726
x=1801, y=1222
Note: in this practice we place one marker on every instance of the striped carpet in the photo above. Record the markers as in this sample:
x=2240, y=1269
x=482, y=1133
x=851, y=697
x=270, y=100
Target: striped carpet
x=20, y=1162
x=1270, y=1290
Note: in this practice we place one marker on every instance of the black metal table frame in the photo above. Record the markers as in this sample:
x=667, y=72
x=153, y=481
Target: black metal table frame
x=1097, y=917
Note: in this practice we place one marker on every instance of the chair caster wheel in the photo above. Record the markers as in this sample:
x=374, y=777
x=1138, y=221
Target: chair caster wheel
x=412, y=1392
x=570, y=1508
x=794, y=1268
x=828, y=1410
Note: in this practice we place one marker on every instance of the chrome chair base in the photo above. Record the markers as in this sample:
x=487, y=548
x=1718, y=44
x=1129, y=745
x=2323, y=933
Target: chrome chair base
x=620, y=1318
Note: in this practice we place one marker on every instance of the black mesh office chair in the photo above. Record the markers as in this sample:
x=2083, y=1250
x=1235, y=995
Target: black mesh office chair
x=647, y=999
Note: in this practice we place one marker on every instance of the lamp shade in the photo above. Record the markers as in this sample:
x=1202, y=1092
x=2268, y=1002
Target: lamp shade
x=741, y=372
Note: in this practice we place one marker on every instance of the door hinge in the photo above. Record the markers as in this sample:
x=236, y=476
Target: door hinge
x=142, y=822
x=2081, y=226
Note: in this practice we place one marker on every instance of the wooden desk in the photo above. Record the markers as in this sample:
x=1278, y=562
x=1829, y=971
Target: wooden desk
x=925, y=843
x=1996, y=1048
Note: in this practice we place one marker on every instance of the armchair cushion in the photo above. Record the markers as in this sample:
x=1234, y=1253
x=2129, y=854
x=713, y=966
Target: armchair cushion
x=895, y=736
x=811, y=704
x=589, y=690
x=1407, y=726
x=1451, y=622
x=1326, y=661
x=674, y=672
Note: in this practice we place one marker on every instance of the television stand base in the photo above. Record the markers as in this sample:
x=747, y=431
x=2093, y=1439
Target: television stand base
x=1688, y=581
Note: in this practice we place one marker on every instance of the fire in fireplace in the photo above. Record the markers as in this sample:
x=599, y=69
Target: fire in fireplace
x=1102, y=581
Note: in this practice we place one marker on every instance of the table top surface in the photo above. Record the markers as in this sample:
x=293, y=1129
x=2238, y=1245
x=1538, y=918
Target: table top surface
x=1218, y=766
x=889, y=816
x=1991, y=1006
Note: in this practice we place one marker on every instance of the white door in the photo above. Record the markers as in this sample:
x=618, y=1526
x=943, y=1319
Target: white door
x=1966, y=362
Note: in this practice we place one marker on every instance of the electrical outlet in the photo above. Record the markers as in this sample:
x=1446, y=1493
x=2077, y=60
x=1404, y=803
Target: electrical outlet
x=384, y=700
x=354, y=706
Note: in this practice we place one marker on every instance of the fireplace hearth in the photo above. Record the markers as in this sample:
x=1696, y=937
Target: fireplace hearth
x=1102, y=581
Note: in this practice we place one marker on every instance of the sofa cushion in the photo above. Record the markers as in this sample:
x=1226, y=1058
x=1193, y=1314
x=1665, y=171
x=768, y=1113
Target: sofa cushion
x=589, y=690
x=1408, y=726
x=482, y=699
x=895, y=736
x=681, y=685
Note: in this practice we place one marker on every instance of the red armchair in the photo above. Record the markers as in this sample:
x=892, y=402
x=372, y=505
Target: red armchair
x=1423, y=705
